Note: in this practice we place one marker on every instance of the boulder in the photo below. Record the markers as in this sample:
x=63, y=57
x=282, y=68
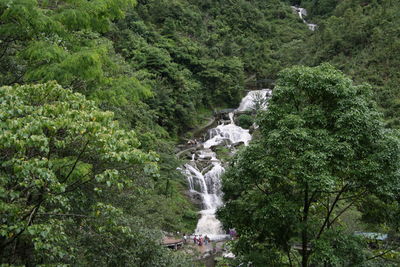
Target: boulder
x=224, y=113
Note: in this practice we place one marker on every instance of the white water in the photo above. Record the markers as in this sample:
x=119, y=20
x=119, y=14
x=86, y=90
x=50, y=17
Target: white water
x=303, y=13
x=255, y=100
x=204, y=171
x=228, y=134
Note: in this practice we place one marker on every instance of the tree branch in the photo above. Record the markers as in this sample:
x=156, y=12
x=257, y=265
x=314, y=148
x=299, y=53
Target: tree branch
x=76, y=162
x=65, y=214
x=331, y=210
x=31, y=216
x=262, y=190
x=344, y=210
x=75, y=183
x=382, y=254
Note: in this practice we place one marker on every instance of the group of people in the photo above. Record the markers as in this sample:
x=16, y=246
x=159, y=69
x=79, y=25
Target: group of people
x=199, y=240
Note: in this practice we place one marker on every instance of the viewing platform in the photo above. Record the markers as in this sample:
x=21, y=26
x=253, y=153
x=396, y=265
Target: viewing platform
x=172, y=243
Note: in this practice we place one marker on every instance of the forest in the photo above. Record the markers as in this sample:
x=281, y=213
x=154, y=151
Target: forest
x=96, y=96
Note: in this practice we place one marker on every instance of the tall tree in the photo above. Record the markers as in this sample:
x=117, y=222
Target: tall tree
x=322, y=150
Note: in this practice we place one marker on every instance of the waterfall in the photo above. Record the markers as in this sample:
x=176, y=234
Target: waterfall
x=204, y=171
x=303, y=13
x=255, y=100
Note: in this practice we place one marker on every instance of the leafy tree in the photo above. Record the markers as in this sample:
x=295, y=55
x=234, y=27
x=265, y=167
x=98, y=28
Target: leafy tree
x=63, y=164
x=322, y=151
x=45, y=38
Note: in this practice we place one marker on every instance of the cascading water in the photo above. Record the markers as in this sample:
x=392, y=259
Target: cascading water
x=303, y=13
x=204, y=170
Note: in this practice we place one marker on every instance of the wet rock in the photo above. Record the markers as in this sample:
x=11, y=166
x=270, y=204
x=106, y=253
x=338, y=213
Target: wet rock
x=211, y=133
x=225, y=122
x=237, y=144
x=247, y=112
x=188, y=155
x=196, y=198
x=223, y=112
x=252, y=129
x=225, y=142
x=206, y=169
x=203, y=164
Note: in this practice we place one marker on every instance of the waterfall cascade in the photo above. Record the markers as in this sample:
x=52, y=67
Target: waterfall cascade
x=204, y=171
x=303, y=13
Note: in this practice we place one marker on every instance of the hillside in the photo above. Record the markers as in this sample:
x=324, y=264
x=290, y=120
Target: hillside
x=95, y=97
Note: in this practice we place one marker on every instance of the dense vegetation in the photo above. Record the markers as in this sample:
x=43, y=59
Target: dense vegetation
x=67, y=171
x=269, y=187
x=94, y=96
x=322, y=151
x=361, y=38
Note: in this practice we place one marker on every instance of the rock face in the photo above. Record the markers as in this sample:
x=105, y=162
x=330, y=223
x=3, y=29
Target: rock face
x=204, y=169
x=196, y=198
x=223, y=114
x=237, y=144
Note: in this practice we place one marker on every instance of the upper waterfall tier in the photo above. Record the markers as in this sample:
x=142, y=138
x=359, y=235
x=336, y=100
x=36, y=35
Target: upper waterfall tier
x=255, y=100
x=303, y=13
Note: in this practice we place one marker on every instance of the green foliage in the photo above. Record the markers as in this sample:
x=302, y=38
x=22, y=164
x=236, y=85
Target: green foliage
x=322, y=150
x=223, y=153
x=77, y=187
x=197, y=54
x=63, y=164
x=155, y=64
x=49, y=40
x=361, y=38
x=318, y=9
x=180, y=56
x=338, y=249
x=245, y=121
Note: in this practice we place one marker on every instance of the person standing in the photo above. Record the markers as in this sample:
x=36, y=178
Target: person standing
x=206, y=239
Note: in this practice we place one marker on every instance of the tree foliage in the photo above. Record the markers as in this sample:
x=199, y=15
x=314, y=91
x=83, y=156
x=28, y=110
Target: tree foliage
x=198, y=53
x=361, y=39
x=60, y=158
x=322, y=151
x=79, y=188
